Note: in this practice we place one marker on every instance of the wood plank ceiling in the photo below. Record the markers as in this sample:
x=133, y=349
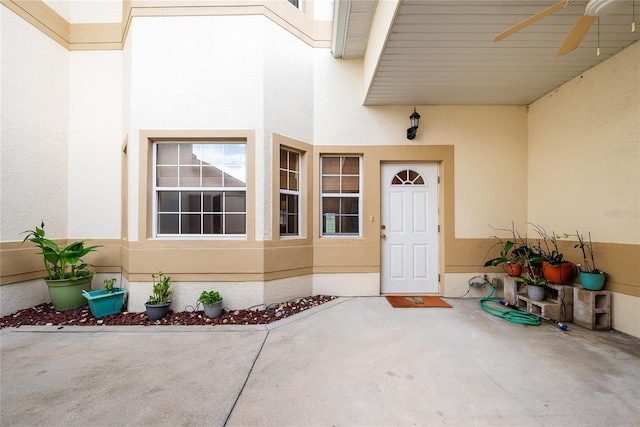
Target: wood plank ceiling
x=442, y=52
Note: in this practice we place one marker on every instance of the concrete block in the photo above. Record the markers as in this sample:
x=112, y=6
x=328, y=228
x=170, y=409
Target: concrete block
x=592, y=309
x=512, y=289
x=548, y=309
x=561, y=294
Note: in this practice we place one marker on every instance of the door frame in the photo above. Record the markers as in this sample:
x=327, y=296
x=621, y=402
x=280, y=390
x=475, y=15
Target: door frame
x=439, y=218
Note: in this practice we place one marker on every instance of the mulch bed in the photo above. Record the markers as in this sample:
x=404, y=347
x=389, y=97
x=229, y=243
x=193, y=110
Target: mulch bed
x=46, y=315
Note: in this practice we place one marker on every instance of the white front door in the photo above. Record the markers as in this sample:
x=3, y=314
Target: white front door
x=409, y=228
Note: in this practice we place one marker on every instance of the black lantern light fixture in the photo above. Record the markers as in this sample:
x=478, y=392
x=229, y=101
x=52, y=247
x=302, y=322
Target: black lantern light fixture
x=415, y=120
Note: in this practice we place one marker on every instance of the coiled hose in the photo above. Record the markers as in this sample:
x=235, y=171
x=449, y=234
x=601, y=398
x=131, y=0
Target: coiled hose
x=515, y=316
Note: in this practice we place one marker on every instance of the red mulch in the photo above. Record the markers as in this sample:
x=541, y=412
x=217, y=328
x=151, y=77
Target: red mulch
x=46, y=315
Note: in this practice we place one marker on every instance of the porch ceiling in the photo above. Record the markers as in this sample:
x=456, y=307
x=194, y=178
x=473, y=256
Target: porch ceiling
x=442, y=51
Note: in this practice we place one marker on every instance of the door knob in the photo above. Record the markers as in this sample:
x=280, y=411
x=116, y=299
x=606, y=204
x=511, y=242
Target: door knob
x=383, y=236
x=382, y=227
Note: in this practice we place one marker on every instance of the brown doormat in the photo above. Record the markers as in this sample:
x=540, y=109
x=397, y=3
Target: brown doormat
x=416, y=301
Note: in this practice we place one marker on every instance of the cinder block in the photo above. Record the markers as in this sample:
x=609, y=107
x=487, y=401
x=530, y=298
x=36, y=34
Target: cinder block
x=592, y=309
x=548, y=309
x=562, y=294
x=512, y=289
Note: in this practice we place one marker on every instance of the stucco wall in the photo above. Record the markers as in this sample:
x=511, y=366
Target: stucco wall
x=490, y=142
x=584, y=153
x=95, y=129
x=35, y=114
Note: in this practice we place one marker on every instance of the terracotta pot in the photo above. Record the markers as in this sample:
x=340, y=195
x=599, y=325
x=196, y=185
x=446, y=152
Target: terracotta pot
x=558, y=274
x=513, y=269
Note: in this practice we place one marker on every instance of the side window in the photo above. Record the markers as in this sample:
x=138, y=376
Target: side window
x=289, y=192
x=200, y=189
x=340, y=198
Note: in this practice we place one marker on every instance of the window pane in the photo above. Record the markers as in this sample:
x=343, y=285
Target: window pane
x=349, y=224
x=191, y=202
x=330, y=205
x=293, y=161
x=212, y=202
x=235, y=202
x=211, y=176
x=292, y=224
x=168, y=223
x=191, y=224
x=235, y=164
x=351, y=166
x=235, y=224
x=212, y=224
x=232, y=181
x=283, y=158
x=167, y=176
x=189, y=154
x=350, y=184
x=167, y=154
x=292, y=204
x=293, y=181
x=189, y=176
x=330, y=184
x=168, y=201
x=283, y=180
x=212, y=155
x=330, y=165
x=349, y=205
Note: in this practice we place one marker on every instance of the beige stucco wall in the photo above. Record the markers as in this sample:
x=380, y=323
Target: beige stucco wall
x=34, y=116
x=584, y=152
x=490, y=142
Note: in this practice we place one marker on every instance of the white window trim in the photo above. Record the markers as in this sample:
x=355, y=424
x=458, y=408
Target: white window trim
x=293, y=193
x=342, y=195
x=197, y=189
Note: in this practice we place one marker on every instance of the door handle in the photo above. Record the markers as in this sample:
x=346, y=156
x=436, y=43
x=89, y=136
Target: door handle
x=383, y=236
x=382, y=227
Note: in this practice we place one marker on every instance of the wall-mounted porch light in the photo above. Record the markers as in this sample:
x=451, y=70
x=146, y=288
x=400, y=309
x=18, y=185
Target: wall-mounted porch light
x=415, y=120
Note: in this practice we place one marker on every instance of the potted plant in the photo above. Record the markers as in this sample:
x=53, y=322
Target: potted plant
x=106, y=301
x=512, y=255
x=158, y=304
x=212, y=302
x=554, y=268
x=534, y=282
x=67, y=275
x=590, y=277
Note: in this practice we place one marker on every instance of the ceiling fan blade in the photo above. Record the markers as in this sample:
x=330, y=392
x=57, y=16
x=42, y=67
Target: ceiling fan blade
x=576, y=35
x=535, y=18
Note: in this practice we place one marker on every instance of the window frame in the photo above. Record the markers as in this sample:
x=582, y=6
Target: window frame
x=341, y=195
x=288, y=191
x=155, y=190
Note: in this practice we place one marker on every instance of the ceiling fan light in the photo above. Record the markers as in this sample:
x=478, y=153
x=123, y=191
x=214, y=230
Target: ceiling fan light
x=605, y=7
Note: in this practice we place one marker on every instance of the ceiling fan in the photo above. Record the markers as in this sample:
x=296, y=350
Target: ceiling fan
x=593, y=9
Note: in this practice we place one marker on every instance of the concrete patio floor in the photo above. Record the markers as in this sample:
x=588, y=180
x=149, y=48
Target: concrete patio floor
x=350, y=362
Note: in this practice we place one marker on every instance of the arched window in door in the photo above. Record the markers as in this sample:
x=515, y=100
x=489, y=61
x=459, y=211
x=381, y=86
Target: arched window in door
x=408, y=177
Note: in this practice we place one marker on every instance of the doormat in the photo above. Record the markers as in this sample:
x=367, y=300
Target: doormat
x=416, y=301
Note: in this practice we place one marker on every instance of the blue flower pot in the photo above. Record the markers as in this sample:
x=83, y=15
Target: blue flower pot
x=105, y=304
x=592, y=281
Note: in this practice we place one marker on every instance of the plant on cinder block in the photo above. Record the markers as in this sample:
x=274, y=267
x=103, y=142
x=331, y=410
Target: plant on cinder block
x=590, y=277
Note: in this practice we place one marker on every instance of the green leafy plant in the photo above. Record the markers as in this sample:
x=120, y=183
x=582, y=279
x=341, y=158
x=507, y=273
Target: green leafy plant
x=108, y=285
x=209, y=297
x=161, y=289
x=60, y=263
x=548, y=244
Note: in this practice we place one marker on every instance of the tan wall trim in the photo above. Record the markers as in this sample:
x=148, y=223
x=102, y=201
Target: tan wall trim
x=111, y=36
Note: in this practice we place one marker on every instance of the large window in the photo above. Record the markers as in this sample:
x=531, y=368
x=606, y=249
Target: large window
x=340, y=187
x=200, y=189
x=289, y=192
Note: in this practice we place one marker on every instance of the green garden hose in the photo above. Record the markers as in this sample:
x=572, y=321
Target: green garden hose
x=515, y=316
